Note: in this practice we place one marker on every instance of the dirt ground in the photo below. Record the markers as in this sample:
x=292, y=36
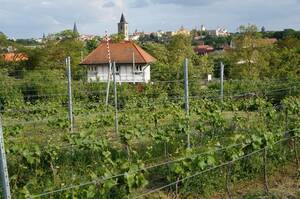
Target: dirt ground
x=283, y=184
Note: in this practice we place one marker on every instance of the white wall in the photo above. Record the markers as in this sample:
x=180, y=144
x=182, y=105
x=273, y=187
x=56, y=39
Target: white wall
x=126, y=74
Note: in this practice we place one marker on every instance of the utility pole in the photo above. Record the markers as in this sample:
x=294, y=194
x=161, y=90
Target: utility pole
x=70, y=103
x=116, y=100
x=3, y=167
x=222, y=81
x=186, y=97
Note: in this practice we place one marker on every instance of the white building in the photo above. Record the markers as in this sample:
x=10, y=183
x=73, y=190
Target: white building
x=203, y=29
x=220, y=32
x=132, y=62
x=86, y=37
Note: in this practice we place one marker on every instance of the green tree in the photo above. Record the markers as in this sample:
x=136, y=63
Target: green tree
x=92, y=44
x=66, y=35
x=116, y=38
x=249, y=58
x=159, y=51
x=203, y=65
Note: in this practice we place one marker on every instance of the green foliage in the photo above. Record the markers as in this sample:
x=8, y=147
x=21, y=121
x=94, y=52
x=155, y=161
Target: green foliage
x=27, y=42
x=66, y=35
x=92, y=44
x=116, y=38
x=217, y=42
x=44, y=84
x=10, y=95
x=153, y=126
x=3, y=41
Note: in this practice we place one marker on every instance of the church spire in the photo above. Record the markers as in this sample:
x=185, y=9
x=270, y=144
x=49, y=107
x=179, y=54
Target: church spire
x=122, y=20
x=75, y=30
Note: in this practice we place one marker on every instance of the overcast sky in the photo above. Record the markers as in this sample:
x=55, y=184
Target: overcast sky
x=32, y=18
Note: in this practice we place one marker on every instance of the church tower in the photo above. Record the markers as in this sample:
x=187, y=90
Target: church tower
x=123, y=27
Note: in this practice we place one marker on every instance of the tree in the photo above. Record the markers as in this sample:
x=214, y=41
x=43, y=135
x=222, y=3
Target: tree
x=217, y=42
x=3, y=42
x=289, y=42
x=66, y=35
x=159, y=51
x=202, y=65
x=116, y=38
x=249, y=56
x=92, y=44
x=179, y=48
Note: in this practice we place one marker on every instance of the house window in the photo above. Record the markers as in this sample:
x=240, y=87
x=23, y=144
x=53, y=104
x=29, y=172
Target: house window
x=117, y=69
x=138, y=68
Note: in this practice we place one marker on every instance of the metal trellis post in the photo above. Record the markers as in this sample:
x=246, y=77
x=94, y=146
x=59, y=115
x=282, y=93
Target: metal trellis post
x=228, y=179
x=116, y=99
x=3, y=167
x=186, y=97
x=70, y=103
x=265, y=171
x=108, y=85
x=222, y=81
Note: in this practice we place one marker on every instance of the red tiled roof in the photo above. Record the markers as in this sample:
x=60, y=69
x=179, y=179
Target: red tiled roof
x=120, y=53
x=207, y=47
x=14, y=57
x=203, y=49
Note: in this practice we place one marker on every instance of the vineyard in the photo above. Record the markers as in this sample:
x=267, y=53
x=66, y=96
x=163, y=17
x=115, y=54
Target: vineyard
x=153, y=141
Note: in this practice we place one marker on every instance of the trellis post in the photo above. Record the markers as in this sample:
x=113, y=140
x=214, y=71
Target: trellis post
x=186, y=97
x=222, y=81
x=70, y=103
x=266, y=183
x=116, y=99
x=3, y=167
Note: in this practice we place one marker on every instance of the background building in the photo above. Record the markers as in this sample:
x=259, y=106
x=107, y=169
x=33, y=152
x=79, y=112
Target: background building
x=123, y=27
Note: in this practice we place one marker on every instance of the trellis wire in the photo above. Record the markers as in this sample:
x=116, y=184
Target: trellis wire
x=210, y=169
x=192, y=97
x=161, y=164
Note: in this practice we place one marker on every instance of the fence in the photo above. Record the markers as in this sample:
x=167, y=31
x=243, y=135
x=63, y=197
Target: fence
x=185, y=122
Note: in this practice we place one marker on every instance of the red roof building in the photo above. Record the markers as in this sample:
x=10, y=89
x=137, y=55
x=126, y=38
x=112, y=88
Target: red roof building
x=204, y=49
x=15, y=57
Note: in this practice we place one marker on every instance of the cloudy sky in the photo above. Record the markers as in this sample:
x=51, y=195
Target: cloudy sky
x=32, y=18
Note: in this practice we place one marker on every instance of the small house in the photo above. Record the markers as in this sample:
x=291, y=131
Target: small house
x=132, y=62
